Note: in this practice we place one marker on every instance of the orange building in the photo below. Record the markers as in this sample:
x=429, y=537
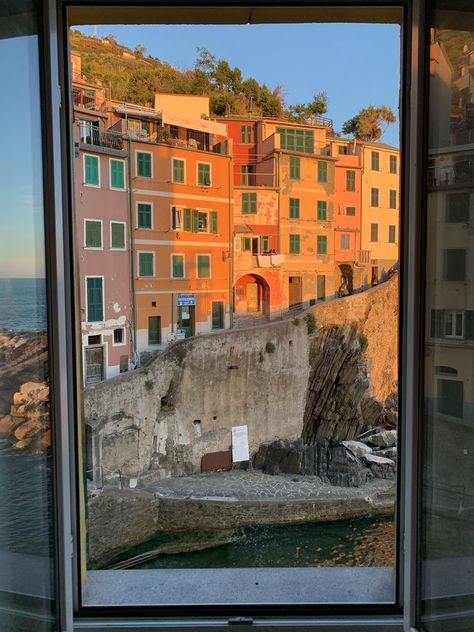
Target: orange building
x=181, y=199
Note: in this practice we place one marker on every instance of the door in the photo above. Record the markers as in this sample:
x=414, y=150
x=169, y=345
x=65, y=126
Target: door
x=94, y=365
x=295, y=291
x=217, y=314
x=321, y=287
x=252, y=297
x=186, y=319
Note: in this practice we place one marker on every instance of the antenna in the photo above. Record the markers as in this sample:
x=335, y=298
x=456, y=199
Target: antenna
x=94, y=34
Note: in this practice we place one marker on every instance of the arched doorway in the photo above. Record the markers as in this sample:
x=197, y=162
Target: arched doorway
x=347, y=279
x=252, y=296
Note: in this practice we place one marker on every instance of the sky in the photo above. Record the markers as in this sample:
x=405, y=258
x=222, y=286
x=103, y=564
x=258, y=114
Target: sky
x=22, y=228
x=355, y=64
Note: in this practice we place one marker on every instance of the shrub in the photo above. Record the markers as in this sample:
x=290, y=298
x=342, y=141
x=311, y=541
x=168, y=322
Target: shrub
x=167, y=408
x=296, y=321
x=310, y=321
x=149, y=384
x=363, y=341
x=270, y=347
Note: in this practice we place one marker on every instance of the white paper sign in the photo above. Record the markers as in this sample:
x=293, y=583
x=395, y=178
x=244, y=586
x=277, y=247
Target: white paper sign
x=240, y=444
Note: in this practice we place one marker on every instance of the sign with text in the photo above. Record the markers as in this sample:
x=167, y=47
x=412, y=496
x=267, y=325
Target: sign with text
x=186, y=299
x=240, y=444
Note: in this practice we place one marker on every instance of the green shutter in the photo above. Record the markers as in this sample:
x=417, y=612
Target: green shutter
x=178, y=170
x=195, y=221
x=294, y=244
x=145, y=264
x=187, y=219
x=178, y=266
x=294, y=208
x=469, y=324
x=213, y=216
x=350, y=180
x=437, y=323
x=143, y=164
x=247, y=244
x=321, y=287
x=322, y=210
x=93, y=234
x=204, y=267
x=294, y=168
x=204, y=174
x=95, y=308
x=322, y=171
x=117, y=174
x=322, y=245
x=91, y=170
x=144, y=215
x=249, y=203
x=265, y=243
x=118, y=235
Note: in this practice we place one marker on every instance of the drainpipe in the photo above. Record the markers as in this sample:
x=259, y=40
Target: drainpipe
x=132, y=250
x=231, y=246
x=277, y=183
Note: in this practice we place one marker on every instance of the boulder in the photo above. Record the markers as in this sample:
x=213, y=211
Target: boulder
x=392, y=401
x=32, y=388
x=384, y=439
x=8, y=425
x=278, y=457
x=357, y=448
x=21, y=445
x=372, y=411
x=380, y=466
x=43, y=442
x=29, y=429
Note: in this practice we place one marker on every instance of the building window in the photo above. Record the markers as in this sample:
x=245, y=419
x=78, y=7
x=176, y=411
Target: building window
x=144, y=215
x=217, y=314
x=294, y=244
x=265, y=247
x=322, y=171
x=249, y=203
x=343, y=150
x=203, y=221
x=393, y=164
x=454, y=264
x=203, y=266
x=294, y=208
x=391, y=234
x=296, y=139
x=247, y=244
x=95, y=299
x=453, y=324
x=178, y=170
x=374, y=232
x=322, y=210
x=350, y=180
x=246, y=134
x=375, y=161
x=117, y=235
x=321, y=287
x=345, y=242
x=91, y=171
x=457, y=207
x=119, y=336
x=374, y=197
x=154, y=330
x=177, y=266
x=350, y=211
x=247, y=175
x=144, y=164
x=392, y=199
x=294, y=167
x=204, y=174
x=146, y=264
x=451, y=398
x=322, y=245
x=117, y=174
x=93, y=233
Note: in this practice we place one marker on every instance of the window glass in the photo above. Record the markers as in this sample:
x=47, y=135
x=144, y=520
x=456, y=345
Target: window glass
x=27, y=533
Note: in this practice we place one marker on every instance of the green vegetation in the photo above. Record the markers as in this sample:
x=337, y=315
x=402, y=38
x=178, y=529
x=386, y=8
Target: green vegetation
x=270, y=347
x=167, y=408
x=363, y=341
x=296, y=322
x=149, y=385
x=310, y=321
x=134, y=76
x=370, y=123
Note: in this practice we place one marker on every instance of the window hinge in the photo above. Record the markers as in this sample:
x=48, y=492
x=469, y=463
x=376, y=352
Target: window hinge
x=240, y=621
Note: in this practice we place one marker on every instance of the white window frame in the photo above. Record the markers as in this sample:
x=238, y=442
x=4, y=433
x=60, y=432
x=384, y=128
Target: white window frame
x=179, y=210
x=91, y=219
x=84, y=183
x=124, y=188
x=237, y=244
x=177, y=254
x=148, y=252
x=124, y=224
x=119, y=344
x=208, y=221
x=173, y=160
x=150, y=204
x=202, y=162
x=143, y=151
x=203, y=254
x=93, y=322
x=453, y=313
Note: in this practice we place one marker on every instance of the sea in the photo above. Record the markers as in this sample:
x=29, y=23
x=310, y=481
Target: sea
x=25, y=479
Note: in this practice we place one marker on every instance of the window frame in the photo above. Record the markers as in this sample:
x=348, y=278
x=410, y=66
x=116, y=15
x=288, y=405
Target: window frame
x=149, y=153
x=146, y=276
x=206, y=164
x=203, y=254
x=173, y=161
x=172, y=256
x=86, y=297
x=122, y=162
x=88, y=184
x=124, y=341
x=137, y=222
x=98, y=221
x=124, y=224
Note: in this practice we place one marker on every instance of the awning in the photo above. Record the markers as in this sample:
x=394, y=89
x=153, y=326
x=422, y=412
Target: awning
x=242, y=228
x=200, y=125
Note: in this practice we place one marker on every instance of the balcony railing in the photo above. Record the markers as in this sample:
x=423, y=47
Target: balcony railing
x=270, y=260
x=102, y=138
x=363, y=256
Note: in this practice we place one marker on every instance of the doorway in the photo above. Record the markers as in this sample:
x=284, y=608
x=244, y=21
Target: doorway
x=94, y=372
x=295, y=291
x=186, y=319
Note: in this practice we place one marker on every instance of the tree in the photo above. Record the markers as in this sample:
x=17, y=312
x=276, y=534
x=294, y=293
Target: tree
x=369, y=123
x=303, y=113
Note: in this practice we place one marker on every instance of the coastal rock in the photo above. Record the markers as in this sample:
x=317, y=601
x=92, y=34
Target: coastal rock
x=21, y=445
x=372, y=411
x=29, y=429
x=8, y=425
x=385, y=439
x=43, y=442
x=278, y=457
x=32, y=388
x=357, y=448
x=381, y=467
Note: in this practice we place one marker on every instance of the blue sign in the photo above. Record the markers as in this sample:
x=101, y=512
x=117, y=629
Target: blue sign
x=186, y=299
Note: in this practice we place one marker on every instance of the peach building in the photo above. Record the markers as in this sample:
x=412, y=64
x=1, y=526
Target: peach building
x=102, y=236
x=181, y=199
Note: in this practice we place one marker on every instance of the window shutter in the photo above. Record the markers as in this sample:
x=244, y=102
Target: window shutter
x=91, y=170
x=95, y=311
x=117, y=174
x=187, y=219
x=247, y=244
x=173, y=217
x=437, y=323
x=118, y=235
x=469, y=325
x=213, y=215
x=195, y=221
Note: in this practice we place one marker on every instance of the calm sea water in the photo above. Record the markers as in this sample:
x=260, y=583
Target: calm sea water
x=22, y=304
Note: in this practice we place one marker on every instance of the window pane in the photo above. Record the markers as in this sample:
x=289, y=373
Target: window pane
x=27, y=534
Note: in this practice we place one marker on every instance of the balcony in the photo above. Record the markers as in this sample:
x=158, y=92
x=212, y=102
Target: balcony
x=363, y=257
x=273, y=143
x=272, y=260
x=86, y=99
x=93, y=135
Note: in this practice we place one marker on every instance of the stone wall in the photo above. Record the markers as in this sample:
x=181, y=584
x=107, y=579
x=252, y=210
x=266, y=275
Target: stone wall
x=164, y=418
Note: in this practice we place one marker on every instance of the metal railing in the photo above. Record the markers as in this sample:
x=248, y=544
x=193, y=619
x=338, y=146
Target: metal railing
x=363, y=256
x=102, y=138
